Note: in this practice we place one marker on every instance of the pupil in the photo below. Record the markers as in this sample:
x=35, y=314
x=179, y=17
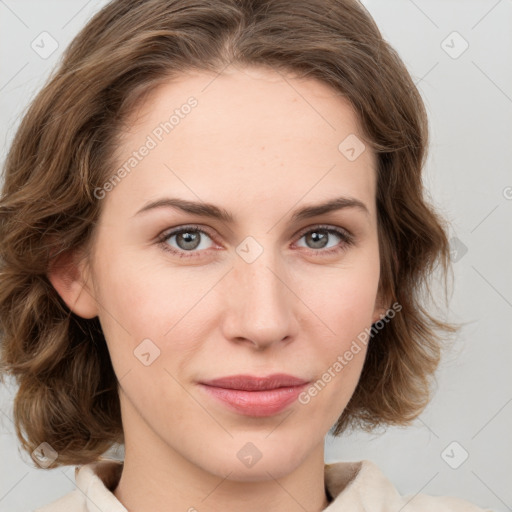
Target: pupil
x=190, y=240
x=319, y=239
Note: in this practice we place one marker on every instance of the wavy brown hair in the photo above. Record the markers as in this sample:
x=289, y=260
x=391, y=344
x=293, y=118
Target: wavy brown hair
x=64, y=149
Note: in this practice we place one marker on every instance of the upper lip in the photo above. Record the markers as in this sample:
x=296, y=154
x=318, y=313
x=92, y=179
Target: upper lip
x=253, y=383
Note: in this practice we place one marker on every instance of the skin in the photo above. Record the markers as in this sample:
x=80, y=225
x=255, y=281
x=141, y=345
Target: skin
x=259, y=145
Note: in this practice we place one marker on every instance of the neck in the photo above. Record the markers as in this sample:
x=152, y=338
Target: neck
x=151, y=482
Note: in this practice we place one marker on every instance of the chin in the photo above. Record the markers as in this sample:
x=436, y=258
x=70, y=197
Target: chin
x=258, y=460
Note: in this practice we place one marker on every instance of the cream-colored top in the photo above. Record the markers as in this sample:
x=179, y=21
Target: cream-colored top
x=354, y=486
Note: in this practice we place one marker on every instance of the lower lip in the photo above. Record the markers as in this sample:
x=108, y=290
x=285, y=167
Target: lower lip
x=256, y=403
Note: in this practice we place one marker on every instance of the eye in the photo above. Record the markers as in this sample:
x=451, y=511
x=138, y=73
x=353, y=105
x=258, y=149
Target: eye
x=317, y=239
x=187, y=239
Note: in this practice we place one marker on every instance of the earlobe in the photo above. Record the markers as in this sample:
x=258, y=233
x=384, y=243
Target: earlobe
x=379, y=310
x=70, y=277
x=378, y=314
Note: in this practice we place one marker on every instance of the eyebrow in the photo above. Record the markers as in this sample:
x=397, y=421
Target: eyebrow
x=215, y=212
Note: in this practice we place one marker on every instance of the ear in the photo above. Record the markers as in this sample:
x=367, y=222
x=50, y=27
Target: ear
x=378, y=314
x=380, y=310
x=69, y=275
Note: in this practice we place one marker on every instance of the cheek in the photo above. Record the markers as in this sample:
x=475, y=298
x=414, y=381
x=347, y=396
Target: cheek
x=146, y=299
x=345, y=307
x=153, y=302
x=148, y=321
x=344, y=298
x=134, y=305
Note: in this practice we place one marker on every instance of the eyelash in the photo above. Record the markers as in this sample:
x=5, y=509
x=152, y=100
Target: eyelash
x=346, y=237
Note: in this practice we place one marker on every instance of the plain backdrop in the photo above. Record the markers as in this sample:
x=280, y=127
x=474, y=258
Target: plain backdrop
x=460, y=55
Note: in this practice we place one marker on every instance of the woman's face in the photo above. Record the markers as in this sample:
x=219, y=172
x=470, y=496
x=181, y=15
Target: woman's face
x=266, y=291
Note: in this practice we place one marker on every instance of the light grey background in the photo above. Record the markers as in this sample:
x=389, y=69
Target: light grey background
x=469, y=98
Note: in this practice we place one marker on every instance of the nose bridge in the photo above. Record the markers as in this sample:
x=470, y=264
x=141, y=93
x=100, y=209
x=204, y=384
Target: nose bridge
x=261, y=304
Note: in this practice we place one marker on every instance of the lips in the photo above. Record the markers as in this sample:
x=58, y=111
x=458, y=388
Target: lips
x=255, y=396
x=250, y=383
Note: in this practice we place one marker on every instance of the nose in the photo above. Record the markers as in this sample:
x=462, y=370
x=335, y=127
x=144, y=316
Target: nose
x=261, y=306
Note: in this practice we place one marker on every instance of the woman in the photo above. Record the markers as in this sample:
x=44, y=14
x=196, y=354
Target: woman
x=215, y=243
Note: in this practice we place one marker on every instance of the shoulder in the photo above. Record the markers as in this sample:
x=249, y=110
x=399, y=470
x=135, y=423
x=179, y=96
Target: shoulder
x=94, y=484
x=69, y=502
x=424, y=503
x=363, y=486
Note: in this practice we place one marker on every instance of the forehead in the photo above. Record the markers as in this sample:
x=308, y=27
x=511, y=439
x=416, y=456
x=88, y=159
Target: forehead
x=254, y=134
